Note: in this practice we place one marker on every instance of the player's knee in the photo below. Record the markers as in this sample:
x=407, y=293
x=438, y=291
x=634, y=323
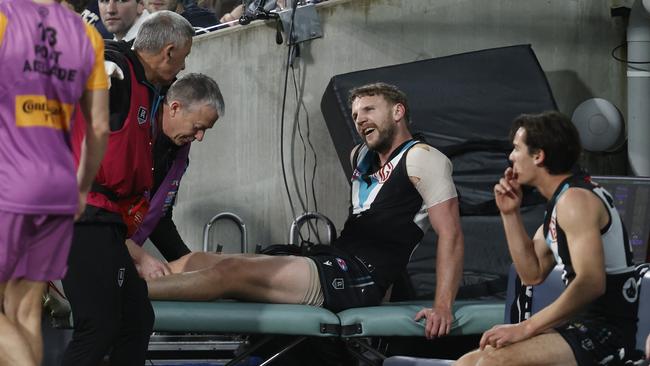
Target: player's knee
x=491, y=359
x=231, y=266
x=182, y=264
x=231, y=270
x=178, y=265
x=469, y=359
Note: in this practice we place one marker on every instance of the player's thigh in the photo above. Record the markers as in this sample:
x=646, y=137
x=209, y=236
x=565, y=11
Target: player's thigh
x=196, y=261
x=269, y=278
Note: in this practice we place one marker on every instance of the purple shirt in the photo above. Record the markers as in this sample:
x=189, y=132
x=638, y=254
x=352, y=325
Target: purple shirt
x=164, y=196
x=47, y=57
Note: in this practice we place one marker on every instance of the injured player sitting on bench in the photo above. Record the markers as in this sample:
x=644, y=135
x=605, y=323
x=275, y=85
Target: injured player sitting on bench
x=397, y=183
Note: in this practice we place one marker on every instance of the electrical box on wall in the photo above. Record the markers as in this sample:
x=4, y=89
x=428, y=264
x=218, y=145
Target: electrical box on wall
x=306, y=23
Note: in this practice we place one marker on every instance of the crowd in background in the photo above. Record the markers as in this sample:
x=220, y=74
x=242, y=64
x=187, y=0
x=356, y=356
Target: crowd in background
x=121, y=19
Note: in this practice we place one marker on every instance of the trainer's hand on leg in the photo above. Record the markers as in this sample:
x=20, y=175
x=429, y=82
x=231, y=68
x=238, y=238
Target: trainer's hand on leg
x=149, y=267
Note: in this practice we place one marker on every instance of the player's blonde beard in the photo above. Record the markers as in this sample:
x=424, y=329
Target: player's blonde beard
x=385, y=139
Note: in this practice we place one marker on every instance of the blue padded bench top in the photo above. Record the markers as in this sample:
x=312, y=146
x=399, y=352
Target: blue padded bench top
x=244, y=318
x=396, y=319
x=392, y=319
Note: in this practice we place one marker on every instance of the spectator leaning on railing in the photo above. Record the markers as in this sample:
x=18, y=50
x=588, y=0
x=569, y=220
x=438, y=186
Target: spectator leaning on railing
x=198, y=16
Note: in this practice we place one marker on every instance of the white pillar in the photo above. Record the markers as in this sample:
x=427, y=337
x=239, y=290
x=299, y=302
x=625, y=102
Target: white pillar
x=638, y=88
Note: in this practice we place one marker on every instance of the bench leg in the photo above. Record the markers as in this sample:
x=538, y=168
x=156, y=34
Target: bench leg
x=358, y=348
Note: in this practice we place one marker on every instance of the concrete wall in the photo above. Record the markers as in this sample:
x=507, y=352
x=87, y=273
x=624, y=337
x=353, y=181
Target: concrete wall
x=237, y=167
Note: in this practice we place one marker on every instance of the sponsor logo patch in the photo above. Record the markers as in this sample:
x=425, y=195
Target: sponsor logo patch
x=120, y=277
x=342, y=264
x=338, y=284
x=38, y=111
x=384, y=173
x=328, y=263
x=142, y=115
x=630, y=291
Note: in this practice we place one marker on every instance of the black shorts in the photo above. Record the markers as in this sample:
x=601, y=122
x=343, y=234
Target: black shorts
x=345, y=280
x=595, y=342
